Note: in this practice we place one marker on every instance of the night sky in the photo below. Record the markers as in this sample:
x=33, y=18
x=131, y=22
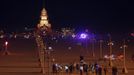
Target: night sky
x=105, y=16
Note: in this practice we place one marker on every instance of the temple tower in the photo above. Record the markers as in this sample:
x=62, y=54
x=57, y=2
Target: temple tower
x=42, y=26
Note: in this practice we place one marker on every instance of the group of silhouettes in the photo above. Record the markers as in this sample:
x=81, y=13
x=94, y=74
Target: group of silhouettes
x=83, y=69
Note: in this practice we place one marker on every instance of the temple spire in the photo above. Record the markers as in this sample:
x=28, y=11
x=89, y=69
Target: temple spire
x=44, y=23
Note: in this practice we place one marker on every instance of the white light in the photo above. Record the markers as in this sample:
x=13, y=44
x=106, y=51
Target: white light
x=106, y=57
x=1, y=36
x=50, y=48
x=6, y=43
x=73, y=35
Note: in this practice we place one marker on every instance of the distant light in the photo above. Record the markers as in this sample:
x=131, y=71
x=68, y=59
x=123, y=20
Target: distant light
x=6, y=43
x=73, y=35
x=69, y=48
x=86, y=30
x=50, y=48
x=111, y=43
x=83, y=36
x=106, y=57
x=26, y=36
x=15, y=36
x=26, y=28
x=1, y=36
x=53, y=59
x=132, y=34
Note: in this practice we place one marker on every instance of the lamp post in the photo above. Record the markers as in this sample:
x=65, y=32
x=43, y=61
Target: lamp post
x=110, y=52
x=83, y=37
x=124, y=63
x=93, y=42
x=48, y=57
x=101, y=41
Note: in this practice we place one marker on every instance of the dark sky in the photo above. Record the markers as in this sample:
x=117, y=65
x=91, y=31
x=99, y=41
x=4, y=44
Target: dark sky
x=108, y=16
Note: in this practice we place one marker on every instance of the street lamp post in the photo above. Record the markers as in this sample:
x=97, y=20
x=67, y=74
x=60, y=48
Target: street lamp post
x=93, y=42
x=86, y=43
x=101, y=41
x=48, y=56
x=83, y=37
x=110, y=52
x=124, y=51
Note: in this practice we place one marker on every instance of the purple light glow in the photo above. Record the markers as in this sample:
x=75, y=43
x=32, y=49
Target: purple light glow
x=83, y=36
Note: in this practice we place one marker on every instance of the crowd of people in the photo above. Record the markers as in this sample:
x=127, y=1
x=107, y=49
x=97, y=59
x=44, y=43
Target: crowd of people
x=83, y=68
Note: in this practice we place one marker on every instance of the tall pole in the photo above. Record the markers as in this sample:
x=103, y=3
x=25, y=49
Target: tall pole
x=93, y=42
x=48, y=58
x=101, y=49
x=124, y=51
x=48, y=52
x=110, y=52
x=86, y=45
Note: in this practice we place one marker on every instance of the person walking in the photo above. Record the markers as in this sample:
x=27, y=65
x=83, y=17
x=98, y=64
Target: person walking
x=67, y=68
x=100, y=70
x=114, y=70
x=81, y=69
x=96, y=68
x=85, y=69
x=77, y=67
x=105, y=70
